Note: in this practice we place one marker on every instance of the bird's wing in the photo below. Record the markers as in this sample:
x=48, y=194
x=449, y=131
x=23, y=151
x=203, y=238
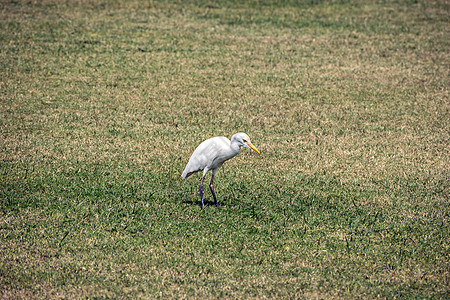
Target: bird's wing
x=206, y=155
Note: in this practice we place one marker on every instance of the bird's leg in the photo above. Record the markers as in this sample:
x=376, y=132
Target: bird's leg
x=201, y=190
x=211, y=187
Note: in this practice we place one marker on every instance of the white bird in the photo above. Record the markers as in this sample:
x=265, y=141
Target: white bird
x=212, y=153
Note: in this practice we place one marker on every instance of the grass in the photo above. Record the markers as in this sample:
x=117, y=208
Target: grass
x=102, y=103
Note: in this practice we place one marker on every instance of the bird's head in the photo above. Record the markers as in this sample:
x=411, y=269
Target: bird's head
x=244, y=141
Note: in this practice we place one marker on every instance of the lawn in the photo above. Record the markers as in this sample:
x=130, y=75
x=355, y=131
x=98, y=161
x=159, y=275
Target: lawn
x=102, y=103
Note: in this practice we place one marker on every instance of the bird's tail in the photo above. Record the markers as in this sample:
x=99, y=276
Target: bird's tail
x=185, y=174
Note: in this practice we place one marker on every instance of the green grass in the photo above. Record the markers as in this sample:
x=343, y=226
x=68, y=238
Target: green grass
x=102, y=103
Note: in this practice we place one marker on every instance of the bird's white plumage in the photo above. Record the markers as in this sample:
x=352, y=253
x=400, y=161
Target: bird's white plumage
x=212, y=153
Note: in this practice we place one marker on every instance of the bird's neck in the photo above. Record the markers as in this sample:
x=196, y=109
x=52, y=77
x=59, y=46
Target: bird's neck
x=235, y=148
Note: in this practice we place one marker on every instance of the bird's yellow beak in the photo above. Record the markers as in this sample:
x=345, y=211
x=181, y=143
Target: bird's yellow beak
x=253, y=147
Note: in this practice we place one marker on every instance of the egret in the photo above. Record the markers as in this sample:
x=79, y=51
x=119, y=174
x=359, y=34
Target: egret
x=212, y=153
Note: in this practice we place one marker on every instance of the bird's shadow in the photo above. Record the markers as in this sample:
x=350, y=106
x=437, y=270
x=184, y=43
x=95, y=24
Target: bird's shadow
x=199, y=203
